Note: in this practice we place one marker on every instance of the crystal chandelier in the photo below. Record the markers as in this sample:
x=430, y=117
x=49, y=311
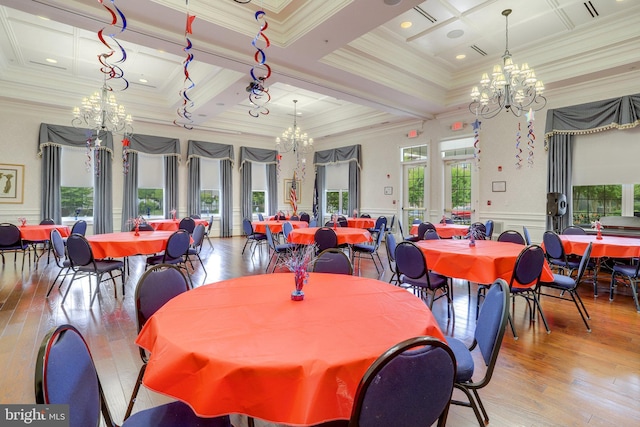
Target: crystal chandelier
x=101, y=112
x=294, y=140
x=510, y=87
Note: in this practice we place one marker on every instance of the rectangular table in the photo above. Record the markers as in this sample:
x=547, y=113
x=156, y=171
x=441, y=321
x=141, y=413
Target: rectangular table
x=243, y=346
x=483, y=263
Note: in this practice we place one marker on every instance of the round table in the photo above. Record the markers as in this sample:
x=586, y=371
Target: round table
x=361, y=222
x=346, y=235
x=276, y=226
x=243, y=346
x=608, y=246
x=445, y=231
x=37, y=233
x=171, y=224
x=126, y=243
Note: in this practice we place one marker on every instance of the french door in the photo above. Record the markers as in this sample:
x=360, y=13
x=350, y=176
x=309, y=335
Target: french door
x=414, y=195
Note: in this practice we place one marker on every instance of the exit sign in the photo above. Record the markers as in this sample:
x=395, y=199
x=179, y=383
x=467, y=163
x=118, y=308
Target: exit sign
x=457, y=126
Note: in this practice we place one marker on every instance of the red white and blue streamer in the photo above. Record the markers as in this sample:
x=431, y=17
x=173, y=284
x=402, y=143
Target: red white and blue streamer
x=531, y=137
x=259, y=93
x=476, y=142
x=518, y=149
x=109, y=64
x=184, y=112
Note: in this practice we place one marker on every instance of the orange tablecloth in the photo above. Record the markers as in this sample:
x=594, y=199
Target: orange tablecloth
x=361, y=222
x=243, y=346
x=117, y=245
x=483, y=263
x=171, y=225
x=276, y=226
x=41, y=232
x=445, y=231
x=346, y=235
x=609, y=246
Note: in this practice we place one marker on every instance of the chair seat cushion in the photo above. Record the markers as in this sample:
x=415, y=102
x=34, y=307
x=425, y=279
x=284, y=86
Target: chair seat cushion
x=363, y=247
x=258, y=236
x=560, y=281
x=159, y=259
x=464, y=360
x=436, y=281
x=174, y=414
x=284, y=247
x=627, y=270
x=571, y=264
x=103, y=265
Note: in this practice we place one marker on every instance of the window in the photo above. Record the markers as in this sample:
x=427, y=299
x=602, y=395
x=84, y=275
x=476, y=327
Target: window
x=76, y=184
x=150, y=185
x=414, y=154
x=337, y=189
x=209, y=186
x=259, y=188
x=414, y=194
x=590, y=202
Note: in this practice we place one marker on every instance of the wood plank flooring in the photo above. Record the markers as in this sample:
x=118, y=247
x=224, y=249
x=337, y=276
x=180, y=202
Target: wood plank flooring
x=567, y=378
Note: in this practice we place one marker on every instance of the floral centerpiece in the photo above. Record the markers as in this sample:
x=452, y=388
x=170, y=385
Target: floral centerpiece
x=443, y=221
x=355, y=213
x=173, y=214
x=136, y=223
x=298, y=260
x=596, y=225
x=475, y=233
x=23, y=221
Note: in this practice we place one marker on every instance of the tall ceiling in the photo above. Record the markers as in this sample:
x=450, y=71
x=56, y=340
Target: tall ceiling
x=349, y=63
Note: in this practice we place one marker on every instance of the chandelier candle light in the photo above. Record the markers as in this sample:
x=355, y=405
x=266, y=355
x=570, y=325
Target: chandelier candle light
x=511, y=87
x=296, y=141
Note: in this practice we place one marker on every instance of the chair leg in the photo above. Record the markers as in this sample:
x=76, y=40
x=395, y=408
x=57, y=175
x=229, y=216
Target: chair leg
x=513, y=328
x=136, y=389
x=575, y=297
x=537, y=303
x=472, y=404
x=95, y=293
x=69, y=287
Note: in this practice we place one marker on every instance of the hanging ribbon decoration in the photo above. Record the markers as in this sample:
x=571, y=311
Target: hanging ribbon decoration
x=278, y=159
x=258, y=93
x=187, y=103
x=125, y=154
x=476, y=141
x=109, y=68
x=518, y=149
x=531, y=137
x=87, y=162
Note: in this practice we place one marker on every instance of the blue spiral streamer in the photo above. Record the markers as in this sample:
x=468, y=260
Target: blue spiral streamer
x=259, y=94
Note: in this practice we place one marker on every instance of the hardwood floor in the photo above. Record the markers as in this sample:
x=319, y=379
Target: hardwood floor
x=567, y=378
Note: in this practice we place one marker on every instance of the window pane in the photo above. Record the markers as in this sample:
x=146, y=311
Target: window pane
x=257, y=203
x=150, y=171
x=592, y=202
x=345, y=203
x=209, y=202
x=150, y=201
x=416, y=186
x=76, y=201
x=333, y=202
x=411, y=154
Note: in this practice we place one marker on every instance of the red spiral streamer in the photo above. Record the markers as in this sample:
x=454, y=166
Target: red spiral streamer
x=185, y=115
x=531, y=136
x=476, y=141
x=108, y=65
x=259, y=93
x=518, y=149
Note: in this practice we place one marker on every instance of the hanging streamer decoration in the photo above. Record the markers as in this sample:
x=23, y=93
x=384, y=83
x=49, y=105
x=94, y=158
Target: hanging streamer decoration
x=183, y=111
x=125, y=154
x=258, y=92
x=518, y=149
x=87, y=162
x=108, y=65
x=476, y=141
x=531, y=137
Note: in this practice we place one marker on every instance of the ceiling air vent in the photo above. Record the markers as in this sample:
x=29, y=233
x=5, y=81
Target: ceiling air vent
x=59, y=67
x=477, y=49
x=422, y=12
x=592, y=10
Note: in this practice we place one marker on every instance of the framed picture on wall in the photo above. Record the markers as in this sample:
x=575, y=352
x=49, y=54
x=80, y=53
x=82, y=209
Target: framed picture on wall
x=288, y=183
x=11, y=183
x=499, y=186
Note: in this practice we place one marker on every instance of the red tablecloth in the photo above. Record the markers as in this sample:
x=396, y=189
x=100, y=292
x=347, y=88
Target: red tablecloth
x=276, y=226
x=445, y=231
x=41, y=232
x=243, y=346
x=172, y=225
x=361, y=222
x=482, y=263
x=609, y=246
x=346, y=235
x=123, y=244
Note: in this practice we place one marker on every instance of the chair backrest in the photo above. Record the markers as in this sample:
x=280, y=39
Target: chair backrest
x=409, y=385
x=325, y=238
x=491, y=324
x=393, y=221
x=553, y=246
x=187, y=224
x=47, y=221
x=177, y=244
x=527, y=236
x=247, y=228
x=431, y=234
x=209, y=226
x=488, y=226
x=410, y=260
x=584, y=262
x=391, y=246
x=528, y=267
x=342, y=221
x=416, y=221
x=381, y=223
x=333, y=260
x=511, y=236
x=400, y=229
x=448, y=221
x=155, y=287
x=423, y=227
x=479, y=229
x=194, y=216
x=79, y=250
x=198, y=236
x=365, y=215
x=305, y=217
x=80, y=227
x=379, y=237
x=287, y=228
x=313, y=223
x=294, y=218
x=574, y=230
x=144, y=226
x=270, y=241
x=57, y=245
x=260, y=217
x=65, y=374
x=9, y=235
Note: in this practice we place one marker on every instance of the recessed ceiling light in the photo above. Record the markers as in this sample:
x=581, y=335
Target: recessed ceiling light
x=44, y=18
x=51, y=61
x=392, y=2
x=461, y=56
x=406, y=24
x=454, y=34
x=143, y=80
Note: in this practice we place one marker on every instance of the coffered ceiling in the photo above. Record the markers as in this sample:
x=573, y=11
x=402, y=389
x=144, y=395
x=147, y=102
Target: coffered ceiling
x=349, y=63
